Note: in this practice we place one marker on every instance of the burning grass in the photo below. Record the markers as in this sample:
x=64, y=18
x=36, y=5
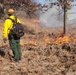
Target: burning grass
x=45, y=39
x=44, y=52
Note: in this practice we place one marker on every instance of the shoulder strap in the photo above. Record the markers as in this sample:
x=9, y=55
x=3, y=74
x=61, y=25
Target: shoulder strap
x=14, y=21
x=11, y=19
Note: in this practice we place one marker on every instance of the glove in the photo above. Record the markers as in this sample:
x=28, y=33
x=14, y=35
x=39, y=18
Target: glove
x=4, y=40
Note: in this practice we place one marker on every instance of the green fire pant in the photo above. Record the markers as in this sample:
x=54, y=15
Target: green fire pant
x=15, y=46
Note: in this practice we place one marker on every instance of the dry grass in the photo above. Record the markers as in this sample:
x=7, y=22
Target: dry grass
x=39, y=55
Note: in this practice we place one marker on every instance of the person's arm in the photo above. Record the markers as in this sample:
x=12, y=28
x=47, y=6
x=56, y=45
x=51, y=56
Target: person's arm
x=5, y=29
x=7, y=24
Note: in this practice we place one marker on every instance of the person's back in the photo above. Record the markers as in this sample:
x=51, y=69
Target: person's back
x=13, y=40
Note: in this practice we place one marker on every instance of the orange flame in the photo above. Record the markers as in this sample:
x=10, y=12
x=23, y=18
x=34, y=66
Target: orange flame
x=35, y=20
x=51, y=40
x=32, y=43
x=59, y=39
x=48, y=40
x=64, y=39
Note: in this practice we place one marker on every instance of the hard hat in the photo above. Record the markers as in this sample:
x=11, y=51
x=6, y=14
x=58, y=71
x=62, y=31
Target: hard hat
x=10, y=11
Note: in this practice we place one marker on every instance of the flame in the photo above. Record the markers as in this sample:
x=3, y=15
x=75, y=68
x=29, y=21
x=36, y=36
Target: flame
x=35, y=20
x=64, y=39
x=59, y=39
x=22, y=44
x=51, y=40
x=32, y=43
x=48, y=40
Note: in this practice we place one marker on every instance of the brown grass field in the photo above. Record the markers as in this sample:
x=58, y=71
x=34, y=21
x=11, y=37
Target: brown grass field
x=45, y=51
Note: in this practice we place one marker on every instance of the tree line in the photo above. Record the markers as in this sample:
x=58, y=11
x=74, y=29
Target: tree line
x=30, y=7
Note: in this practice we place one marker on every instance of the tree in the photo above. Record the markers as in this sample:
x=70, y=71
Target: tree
x=28, y=6
x=1, y=9
x=66, y=5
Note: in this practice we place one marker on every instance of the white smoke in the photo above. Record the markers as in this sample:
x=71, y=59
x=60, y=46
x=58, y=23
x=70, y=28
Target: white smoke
x=52, y=17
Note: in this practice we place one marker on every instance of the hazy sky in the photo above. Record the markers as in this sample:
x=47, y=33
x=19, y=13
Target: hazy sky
x=72, y=12
x=41, y=1
x=70, y=15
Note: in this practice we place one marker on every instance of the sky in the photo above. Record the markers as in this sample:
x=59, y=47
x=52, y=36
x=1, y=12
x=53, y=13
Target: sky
x=73, y=10
x=70, y=15
x=41, y=1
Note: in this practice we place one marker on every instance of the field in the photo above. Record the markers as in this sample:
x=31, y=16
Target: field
x=45, y=51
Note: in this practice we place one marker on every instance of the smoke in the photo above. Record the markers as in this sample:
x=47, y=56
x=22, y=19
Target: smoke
x=53, y=17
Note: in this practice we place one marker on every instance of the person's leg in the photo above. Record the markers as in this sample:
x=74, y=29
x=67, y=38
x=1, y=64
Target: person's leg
x=18, y=48
x=14, y=49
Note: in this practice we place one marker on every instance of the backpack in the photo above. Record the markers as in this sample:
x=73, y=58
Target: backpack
x=17, y=29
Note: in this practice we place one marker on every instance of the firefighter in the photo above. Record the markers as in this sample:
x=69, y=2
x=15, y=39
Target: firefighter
x=13, y=40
